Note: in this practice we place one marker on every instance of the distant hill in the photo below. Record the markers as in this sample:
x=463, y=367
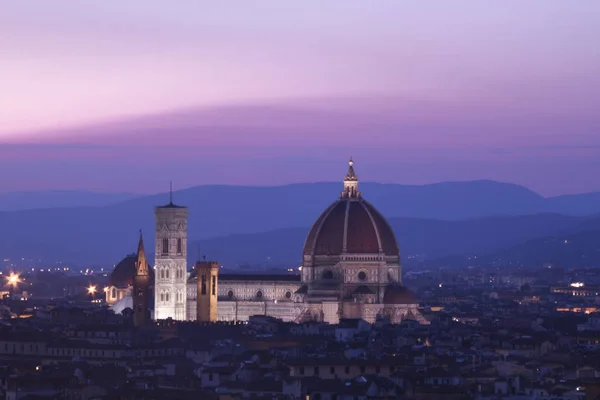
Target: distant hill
x=577, y=250
x=103, y=234
x=58, y=199
x=422, y=238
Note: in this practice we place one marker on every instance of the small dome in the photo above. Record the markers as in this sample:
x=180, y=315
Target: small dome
x=398, y=294
x=125, y=271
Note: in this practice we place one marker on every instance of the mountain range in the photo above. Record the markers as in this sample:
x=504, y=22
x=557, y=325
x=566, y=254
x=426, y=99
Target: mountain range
x=29, y=200
x=237, y=224
x=420, y=239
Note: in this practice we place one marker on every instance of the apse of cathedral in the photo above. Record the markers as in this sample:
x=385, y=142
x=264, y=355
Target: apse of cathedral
x=350, y=269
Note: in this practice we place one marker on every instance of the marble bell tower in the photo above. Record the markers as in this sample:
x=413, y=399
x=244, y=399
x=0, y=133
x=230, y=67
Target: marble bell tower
x=171, y=262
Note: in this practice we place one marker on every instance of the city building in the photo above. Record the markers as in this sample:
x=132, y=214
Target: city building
x=351, y=269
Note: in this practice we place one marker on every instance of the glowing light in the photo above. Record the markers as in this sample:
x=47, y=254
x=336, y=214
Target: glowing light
x=577, y=284
x=91, y=289
x=13, y=279
x=105, y=289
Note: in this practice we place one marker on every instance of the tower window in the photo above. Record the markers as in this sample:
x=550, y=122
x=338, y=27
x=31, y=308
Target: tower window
x=167, y=297
x=288, y=294
x=179, y=246
x=165, y=246
x=162, y=297
x=259, y=294
x=167, y=273
x=230, y=294
x=203, y=287
x=362, y=275
x=328, y=275
x=214, y=286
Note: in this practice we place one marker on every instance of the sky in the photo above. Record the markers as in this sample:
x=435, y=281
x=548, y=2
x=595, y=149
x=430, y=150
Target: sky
x=125, y=96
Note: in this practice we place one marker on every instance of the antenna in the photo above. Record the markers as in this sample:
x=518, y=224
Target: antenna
x=170, y=192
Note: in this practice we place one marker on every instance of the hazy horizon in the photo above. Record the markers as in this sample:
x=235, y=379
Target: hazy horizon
x=115, y=97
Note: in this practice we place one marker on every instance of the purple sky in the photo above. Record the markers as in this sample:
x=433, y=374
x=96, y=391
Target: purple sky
x=125, y=96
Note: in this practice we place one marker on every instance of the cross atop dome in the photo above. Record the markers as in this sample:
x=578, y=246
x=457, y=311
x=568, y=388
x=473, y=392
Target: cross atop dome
x=351, y=183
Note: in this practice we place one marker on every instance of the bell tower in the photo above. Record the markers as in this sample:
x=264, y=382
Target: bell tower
x=170, y=275
x=208, y=291
x=141, y=288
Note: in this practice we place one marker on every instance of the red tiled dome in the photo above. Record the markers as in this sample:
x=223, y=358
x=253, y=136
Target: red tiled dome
x=351, y=225
x=125, y=271
x=397, y=294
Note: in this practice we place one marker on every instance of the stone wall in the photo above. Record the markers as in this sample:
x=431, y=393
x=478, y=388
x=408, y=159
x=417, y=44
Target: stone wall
x=250, y=290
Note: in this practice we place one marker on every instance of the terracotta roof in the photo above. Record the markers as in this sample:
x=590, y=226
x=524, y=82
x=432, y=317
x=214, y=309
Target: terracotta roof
x=351, y=226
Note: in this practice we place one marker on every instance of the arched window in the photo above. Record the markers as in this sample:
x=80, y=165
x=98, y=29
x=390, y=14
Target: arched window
x=114, y=292
x=203, y=284
x=327, y=274
x=162, y=297
x=167, y=297
x=167, y=273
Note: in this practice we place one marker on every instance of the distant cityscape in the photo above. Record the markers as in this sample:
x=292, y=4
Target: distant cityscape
x=348, y=320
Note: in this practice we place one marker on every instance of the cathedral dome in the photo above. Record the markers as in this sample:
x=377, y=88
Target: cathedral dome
x=124, y=273
x=351, y=225
x=398, y=294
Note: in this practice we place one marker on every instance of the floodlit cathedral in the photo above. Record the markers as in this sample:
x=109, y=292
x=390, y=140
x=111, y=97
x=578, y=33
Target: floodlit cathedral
x=350, y=269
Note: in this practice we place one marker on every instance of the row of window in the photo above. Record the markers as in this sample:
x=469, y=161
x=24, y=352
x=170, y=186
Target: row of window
x=213, y=285
x=165, y=296
x=362, y=275
x=259, y=294
x=332, y=370
x=164, y=273
x=165, y=246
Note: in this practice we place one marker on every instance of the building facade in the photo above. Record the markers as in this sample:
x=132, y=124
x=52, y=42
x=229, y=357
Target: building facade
x=170, y=269
x=351, y=269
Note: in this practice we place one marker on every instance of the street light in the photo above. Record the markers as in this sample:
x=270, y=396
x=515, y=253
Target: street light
x=91, y=289
x=12, y=282
x=13, y=279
